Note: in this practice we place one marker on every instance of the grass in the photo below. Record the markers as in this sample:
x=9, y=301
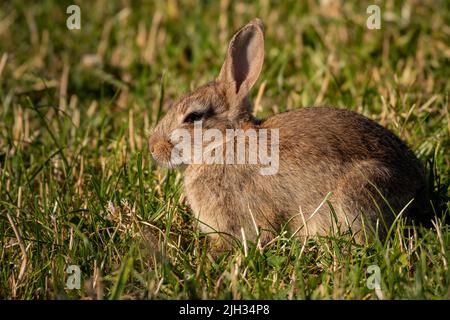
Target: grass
x=77, y=185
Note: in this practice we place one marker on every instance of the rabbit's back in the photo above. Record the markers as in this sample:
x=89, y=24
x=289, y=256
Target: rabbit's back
x=340, y=136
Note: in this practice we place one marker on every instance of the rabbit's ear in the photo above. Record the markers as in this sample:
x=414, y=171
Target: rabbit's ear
x=244, y=61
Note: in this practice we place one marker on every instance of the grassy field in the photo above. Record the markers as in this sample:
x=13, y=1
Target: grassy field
x=78, y=187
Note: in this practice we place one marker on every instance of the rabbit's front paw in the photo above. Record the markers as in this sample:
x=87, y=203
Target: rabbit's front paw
x=219, y=246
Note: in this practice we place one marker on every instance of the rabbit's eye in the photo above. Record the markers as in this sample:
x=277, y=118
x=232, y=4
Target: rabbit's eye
x=193, y=116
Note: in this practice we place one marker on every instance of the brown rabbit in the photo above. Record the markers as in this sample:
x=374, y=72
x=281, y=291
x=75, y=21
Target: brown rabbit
x=364, y=171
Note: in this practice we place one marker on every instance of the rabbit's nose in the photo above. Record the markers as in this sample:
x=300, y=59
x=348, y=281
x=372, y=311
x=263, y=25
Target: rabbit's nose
x=151, y=145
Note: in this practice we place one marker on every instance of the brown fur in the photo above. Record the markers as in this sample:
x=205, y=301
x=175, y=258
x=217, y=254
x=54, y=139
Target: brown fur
x=321, y=150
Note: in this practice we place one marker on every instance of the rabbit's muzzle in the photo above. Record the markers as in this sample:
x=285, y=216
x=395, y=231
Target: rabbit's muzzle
x=161, y=149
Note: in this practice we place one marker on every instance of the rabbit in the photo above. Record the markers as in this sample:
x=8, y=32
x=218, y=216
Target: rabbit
x=338, y=170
